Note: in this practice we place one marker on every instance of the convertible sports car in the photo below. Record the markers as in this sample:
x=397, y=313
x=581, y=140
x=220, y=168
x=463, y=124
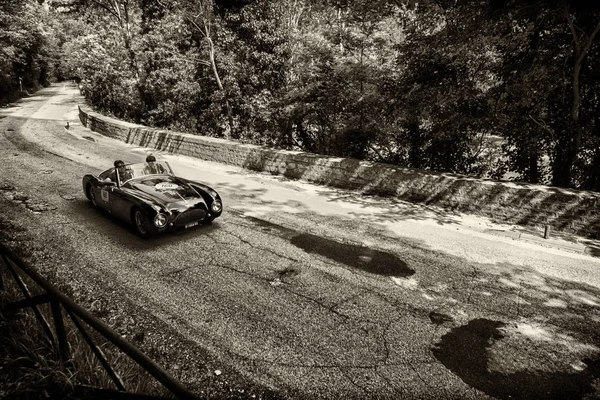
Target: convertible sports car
x=151, y=197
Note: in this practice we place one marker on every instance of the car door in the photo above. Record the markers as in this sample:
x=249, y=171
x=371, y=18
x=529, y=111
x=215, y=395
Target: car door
x=104, y=188
x=120, y=205
x=104, y=196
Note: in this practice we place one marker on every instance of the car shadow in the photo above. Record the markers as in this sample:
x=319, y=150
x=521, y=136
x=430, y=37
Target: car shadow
x=121, y=233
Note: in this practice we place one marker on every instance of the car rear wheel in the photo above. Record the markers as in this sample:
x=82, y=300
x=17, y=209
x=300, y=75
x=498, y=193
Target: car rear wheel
x=141, y=222
x=92, y=195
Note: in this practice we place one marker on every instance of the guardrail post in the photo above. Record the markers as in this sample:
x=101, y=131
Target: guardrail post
x=61, y=333
x=547, y=229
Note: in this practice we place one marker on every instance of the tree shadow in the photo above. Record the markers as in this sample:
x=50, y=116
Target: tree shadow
x=374, y=208
x=42, y=94
x=68, y=100
x=569, y=211
x=465, y=350
x=390, y=209
x=593, y=249
x=541, y=343
x=539, y=232
x=355, y=256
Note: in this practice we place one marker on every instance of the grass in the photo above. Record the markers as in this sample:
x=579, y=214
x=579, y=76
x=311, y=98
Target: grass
x=31, y=367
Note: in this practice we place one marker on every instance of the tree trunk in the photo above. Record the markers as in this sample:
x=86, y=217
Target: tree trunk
x=534, y=170
x=125, y=24
x=211, y=55
x=415, y=152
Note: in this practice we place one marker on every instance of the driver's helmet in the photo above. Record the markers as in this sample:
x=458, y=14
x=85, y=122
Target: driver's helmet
x=119, y=164
x=150, y=159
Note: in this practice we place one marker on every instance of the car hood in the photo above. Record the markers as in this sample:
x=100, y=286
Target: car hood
x=168, y=191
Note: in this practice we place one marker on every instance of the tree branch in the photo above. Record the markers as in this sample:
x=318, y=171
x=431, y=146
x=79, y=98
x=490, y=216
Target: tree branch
x=543, y=126
x=111, y=11
x=572, y=28
x=203, y=31
x=589, y=42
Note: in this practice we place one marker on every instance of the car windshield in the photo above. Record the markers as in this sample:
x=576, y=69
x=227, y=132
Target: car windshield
x=132, y=171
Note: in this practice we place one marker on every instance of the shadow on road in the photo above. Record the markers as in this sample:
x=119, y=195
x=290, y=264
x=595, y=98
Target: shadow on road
x=352, y=255
x=359, y=257
x=465, y=350
x=122, y=233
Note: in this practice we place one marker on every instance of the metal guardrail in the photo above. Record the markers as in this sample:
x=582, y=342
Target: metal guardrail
x=59, y=301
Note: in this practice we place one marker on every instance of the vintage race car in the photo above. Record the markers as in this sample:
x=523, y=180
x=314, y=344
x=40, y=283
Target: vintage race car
x=149, y=196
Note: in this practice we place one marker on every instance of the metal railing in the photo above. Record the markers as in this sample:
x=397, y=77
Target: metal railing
x=59, y=302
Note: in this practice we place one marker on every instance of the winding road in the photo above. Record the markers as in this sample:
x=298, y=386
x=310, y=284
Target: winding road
x=300, y=291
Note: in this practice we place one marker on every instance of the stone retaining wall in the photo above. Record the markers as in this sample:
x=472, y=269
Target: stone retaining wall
x=530, y=205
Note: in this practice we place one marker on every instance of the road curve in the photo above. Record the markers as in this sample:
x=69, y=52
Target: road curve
x=299, y=291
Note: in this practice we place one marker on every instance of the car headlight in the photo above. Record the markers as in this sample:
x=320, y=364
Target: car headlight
x=216, y=206
x=160, y=220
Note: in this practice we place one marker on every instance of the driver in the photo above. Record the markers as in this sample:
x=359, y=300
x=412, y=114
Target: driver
x=124, y=172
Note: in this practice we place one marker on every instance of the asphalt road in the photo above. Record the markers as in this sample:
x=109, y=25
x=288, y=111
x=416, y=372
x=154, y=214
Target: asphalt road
x=300, y=291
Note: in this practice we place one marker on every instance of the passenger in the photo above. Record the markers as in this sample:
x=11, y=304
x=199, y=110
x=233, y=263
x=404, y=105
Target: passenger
x=152, y=167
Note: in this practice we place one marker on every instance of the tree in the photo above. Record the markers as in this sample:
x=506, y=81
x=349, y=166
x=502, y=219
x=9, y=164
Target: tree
x=124, y=16
x=420, y=84
x=582, y=43
x=342, y=54
x=438, y=90
x=546, y=101
x=24, y=48
x=201, y=19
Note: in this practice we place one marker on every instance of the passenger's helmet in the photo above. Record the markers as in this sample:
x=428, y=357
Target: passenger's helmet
x=119, y=163
x=150, y=158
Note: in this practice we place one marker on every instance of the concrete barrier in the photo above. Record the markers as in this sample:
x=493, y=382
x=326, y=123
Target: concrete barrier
x=515, y=203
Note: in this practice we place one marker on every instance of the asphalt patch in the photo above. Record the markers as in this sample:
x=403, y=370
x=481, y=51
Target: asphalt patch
x=439, y=318
x=464, y=351
x=289, y=273
x=267, y=226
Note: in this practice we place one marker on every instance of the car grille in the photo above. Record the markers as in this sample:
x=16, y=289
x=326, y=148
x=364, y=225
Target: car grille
x=189, y=216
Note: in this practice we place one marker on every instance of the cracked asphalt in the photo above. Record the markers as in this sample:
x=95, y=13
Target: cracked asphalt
x=305, y=292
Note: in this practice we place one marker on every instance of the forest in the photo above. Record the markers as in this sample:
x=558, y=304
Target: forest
x=426, y=84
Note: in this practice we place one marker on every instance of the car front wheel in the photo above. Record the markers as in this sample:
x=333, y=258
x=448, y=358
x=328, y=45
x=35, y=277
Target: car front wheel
x=142, y=224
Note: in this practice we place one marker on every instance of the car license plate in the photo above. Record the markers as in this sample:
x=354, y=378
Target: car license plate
x=191, y=224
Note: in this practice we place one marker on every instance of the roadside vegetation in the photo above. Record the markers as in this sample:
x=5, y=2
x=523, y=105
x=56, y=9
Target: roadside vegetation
x=31, y=368
x=416, y=84
x=30, y=364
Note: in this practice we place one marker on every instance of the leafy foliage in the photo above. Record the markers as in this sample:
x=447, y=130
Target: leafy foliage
x=417, y=84
x=25, y=48
x=545, y=105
